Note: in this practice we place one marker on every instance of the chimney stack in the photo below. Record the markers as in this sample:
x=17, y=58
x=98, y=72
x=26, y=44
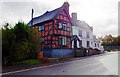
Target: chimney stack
x=74, y=19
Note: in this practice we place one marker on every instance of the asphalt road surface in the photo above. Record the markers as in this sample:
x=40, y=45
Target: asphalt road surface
x=105, y=64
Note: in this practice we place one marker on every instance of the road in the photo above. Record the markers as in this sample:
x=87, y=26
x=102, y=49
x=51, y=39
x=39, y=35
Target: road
x=106, y=64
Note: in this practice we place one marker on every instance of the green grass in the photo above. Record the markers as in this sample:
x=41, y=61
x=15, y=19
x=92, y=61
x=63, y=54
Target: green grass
x=71, y=56
x=30, y=62
x=59, y=58
x=53, y=58
x=108, y=50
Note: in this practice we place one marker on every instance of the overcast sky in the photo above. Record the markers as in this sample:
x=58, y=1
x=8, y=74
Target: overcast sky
x=101, y=14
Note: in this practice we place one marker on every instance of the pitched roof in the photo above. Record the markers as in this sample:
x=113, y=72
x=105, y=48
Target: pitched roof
x=49, y=15
x=95, y=39
x=83, y=24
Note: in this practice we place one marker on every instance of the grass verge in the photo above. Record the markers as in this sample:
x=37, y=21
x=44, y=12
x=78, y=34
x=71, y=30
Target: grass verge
x=30, y=62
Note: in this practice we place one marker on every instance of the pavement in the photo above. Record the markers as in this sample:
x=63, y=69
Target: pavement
x=91, y=65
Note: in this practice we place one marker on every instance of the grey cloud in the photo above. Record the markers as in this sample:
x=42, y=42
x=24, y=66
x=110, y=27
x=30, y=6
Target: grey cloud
x=21, y=10
x=108, y=26
x=103, y=24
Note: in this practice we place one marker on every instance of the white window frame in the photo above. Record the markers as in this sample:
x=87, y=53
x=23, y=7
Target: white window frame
x=64, y=41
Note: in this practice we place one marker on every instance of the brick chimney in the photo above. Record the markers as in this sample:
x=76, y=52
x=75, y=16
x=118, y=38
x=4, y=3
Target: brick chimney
x=74, y=19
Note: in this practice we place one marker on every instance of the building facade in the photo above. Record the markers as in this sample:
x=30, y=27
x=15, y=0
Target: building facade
x=59, y=33
x=97, y=44
x=85, y=34
x=55, y=30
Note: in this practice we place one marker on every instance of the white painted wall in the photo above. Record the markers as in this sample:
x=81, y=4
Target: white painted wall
x=84, y=27
x=92, y=40
x=84, y=35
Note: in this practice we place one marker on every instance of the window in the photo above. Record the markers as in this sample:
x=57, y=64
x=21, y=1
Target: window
x=41, y=27
x=98, y=45
x=64, y=27
x=64, y=40
x=60, y=25
x=41, y=40
x=95, y=44
x=80, y=33
x=60, y=40
x=88, y=44
x=88, y=35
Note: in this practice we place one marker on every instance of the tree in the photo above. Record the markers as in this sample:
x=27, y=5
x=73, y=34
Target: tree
x=27, y=40
x=8, y=44
x=109, y=40
x=19, y=43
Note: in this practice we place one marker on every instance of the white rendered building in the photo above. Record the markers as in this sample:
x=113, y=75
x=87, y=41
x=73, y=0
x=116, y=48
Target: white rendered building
x=85, y=34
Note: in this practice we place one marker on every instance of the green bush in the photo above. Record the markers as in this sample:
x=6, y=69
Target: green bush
x=19, y=43
x=108, y=50
x=80, y=52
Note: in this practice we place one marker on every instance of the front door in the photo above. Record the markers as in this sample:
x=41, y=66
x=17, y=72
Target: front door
x=75, y=43
x=60, y=42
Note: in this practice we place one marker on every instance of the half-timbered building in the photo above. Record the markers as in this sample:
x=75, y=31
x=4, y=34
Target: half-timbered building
x=55, y=31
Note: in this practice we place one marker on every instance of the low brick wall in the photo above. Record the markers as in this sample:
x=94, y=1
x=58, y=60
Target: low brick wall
x=93, y=51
